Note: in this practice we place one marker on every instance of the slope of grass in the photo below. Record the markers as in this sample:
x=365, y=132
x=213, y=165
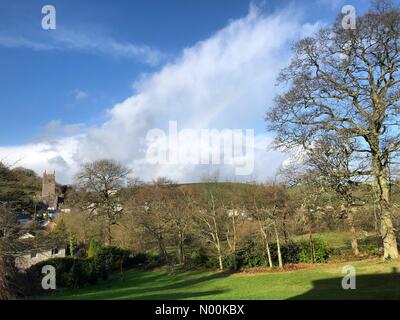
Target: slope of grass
x=375, y=280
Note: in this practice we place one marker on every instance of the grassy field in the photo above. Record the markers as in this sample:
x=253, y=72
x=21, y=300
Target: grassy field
x=376, y=279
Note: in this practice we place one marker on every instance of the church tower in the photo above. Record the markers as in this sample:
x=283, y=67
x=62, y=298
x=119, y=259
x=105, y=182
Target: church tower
x=49, y=196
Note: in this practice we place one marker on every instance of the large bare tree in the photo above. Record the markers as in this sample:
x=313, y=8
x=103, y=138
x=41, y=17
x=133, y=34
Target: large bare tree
x=101, y=180
x=347, y=83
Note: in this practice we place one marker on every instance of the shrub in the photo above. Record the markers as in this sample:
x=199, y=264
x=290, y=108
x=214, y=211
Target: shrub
x=135, y=260
x=321, y=251
x=211, y=262
x=74, y=272
x=251, y=256
x=94, y=248
x=80, y=273
x=153, y=260
x=102, y=264
x=70, y=272
x=370, y=250
x=229, y=263
x=198, y=258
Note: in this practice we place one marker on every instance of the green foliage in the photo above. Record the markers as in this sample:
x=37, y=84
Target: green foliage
x=67, y=271
x=80, y=273
x=229, y=262
x=211, y=263
x=74, y=272
x=370, y=250
x=321, y=251
x=198, y=258
x=94, y=248
x=18, y=187
x=102, y=264
x=153, y=260
x=251, y=256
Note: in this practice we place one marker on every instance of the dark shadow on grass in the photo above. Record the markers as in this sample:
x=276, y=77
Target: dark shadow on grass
x=141, y=285
x=191, y=282
x=180, y=295
x=384, y=286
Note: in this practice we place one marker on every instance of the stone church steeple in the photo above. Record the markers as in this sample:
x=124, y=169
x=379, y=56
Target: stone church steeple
x=49, y=196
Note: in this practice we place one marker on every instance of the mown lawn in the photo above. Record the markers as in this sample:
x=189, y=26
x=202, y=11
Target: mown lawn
x=376, y=279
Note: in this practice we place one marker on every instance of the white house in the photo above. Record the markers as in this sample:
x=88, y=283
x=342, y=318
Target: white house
x=26, y=261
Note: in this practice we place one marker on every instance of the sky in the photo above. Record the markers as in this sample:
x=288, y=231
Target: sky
x=112, y=71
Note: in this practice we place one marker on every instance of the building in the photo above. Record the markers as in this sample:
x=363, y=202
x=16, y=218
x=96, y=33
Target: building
x=49, y=195
x=26, y=261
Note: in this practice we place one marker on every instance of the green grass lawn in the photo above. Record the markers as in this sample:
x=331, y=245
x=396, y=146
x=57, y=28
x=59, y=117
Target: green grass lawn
x=341, y=239
x=376, y=279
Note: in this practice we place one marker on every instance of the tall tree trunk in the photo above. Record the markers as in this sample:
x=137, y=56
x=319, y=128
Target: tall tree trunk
x=354, y=242
x=278, y=246
x=284, y=227
x=181, y=249
x=234, y=242
x=221, y=265
x=376, y=225
x=161, y=247
x=267, y=249
x=109, y=236
x=311, y=241
x=388, y=234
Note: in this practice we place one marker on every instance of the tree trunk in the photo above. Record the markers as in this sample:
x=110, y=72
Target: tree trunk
x=221, y=266
x=390, y=250
x=234, y=243
x=109, y=236
x=311, y=241
x=181, y=250
x=354, y=242
x=284, y=228
x=267, y=250
x=163, y=251
x=278, y=246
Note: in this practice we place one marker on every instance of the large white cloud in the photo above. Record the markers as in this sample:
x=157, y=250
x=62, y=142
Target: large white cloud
x=225, y=81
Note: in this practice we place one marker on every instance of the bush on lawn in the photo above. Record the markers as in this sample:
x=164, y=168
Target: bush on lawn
x=74, y=272
x=198, y=258
x=70, y=272
x=321, y=251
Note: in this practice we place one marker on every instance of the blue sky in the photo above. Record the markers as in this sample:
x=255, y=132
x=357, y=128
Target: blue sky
x=39, y=85
x=106, y=57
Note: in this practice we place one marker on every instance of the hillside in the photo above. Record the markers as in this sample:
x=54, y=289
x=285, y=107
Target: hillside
x=18, y=187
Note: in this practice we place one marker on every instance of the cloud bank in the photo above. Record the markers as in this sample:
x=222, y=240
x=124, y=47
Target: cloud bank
x=225, y=81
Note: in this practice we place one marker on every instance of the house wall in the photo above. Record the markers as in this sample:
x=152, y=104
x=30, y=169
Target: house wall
x=26, y=261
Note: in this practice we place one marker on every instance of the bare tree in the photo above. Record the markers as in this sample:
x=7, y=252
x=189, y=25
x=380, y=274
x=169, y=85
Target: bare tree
x=330, y=163
x=347, y=82
x=181, y=206
x=101, y=180
x=211, y=220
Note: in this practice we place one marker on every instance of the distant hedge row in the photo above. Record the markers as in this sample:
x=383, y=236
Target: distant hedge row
x=251, y=255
